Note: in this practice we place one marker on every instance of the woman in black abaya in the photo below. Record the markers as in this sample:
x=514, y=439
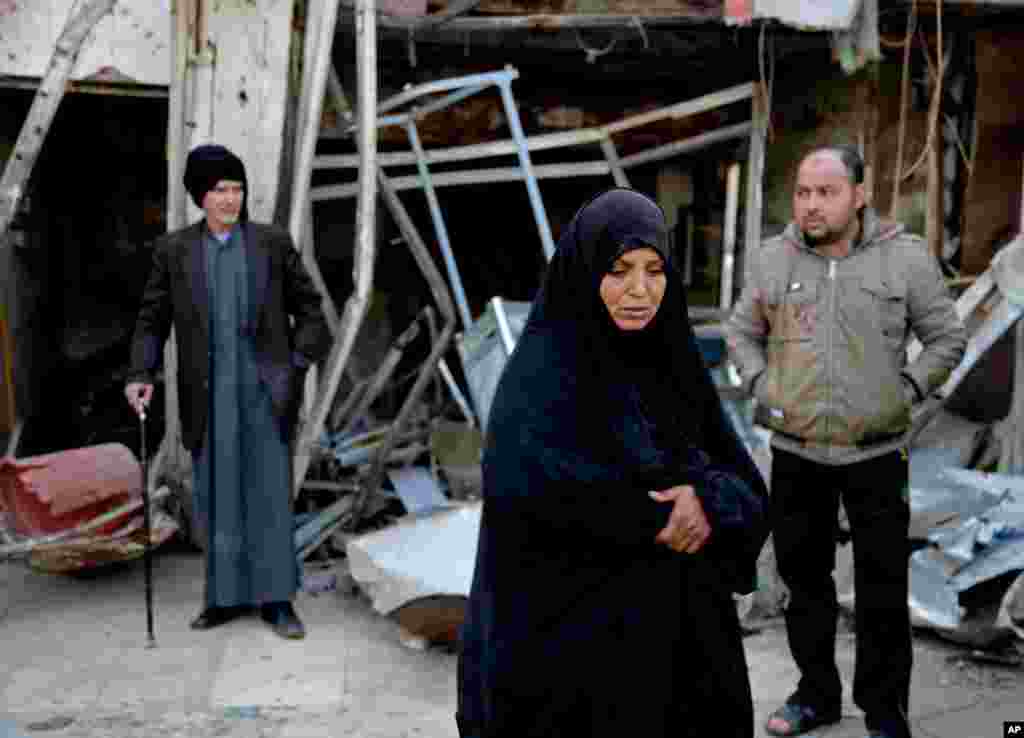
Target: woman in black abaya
x=621, y=511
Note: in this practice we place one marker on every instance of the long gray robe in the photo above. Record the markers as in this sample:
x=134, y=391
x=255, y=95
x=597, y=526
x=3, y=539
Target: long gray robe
x=242, y=473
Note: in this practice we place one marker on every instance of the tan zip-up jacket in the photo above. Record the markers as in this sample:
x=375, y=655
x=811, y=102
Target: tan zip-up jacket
x=821, y=342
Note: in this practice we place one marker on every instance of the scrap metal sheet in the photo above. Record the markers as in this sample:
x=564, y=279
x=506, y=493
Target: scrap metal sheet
x=418, y=557
x=483, y=356
x=822, y=14
x=987, y=542
x=933, y=602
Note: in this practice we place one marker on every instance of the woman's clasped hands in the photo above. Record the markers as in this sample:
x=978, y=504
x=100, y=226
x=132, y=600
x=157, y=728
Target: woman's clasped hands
x=688, y=528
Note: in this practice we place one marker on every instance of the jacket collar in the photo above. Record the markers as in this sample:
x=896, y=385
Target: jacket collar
x=257, y=259
x=874, y=230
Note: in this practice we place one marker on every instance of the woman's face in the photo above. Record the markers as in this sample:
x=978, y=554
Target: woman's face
x=633, y=287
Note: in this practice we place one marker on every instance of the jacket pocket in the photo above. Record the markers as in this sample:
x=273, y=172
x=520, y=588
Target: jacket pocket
x=793, y=312
x=889, y=303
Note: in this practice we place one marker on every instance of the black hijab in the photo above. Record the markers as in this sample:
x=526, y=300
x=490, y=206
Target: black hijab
x=567, y=565
x=207, y=165
x=659, y=368
x=636, y=408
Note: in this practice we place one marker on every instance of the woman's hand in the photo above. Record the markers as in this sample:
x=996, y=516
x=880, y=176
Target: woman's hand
x=687, y=529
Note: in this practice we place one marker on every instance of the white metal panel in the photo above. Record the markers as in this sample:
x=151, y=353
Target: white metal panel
x=131, y=44
x=823, y=14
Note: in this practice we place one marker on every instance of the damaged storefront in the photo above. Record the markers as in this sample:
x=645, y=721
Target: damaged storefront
x=425, y=159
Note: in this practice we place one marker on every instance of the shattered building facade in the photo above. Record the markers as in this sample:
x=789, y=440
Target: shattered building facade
x=491, y=121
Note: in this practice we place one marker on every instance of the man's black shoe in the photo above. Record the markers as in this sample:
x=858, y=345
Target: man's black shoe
x=211, y=617
x=281, y=617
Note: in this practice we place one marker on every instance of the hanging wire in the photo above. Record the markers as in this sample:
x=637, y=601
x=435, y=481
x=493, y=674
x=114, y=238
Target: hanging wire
x=937, y=73
x=886, y=42
x=593, y=54
x=411, y=46
x=968, y=164
x=901, y=135
x=635, y=21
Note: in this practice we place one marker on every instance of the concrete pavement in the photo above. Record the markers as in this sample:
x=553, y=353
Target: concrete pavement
x=76, y=665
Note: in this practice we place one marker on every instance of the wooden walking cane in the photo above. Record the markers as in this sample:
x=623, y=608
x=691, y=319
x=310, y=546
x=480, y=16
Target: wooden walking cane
x=151, y=639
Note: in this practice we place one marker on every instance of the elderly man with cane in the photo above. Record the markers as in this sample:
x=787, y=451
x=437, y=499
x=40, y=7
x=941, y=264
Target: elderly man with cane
x=248, y=323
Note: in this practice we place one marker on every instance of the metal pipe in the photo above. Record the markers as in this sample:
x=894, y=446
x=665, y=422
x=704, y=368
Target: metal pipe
x=504, y=330
x=553, y=22
x=440, y=229
x=540, y=142
x=341, y=104
x=732, y=206
x=614, y=163
x=453, y=387
x=690, y=238
x=686, y=145
x=755, y=172
x=343, y=409
x=176, y=208
x=395, y=119
x=684, y=109
x=440, y=104
x=477, y=176
x=536, y=203
x=544, y=171
x=432, y=334
x=376, y=473
x=20, y=548
x=365, y=247
x=444, y=85
x=419, y=250
x=383, y=374
x=18, y=168
x=437, y=287
x=552, y=140
x=15, y=438
x=317, y=61
x=313, y=533
x=308, y=250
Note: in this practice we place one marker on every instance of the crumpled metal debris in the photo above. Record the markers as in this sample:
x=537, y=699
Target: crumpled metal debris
x=932, y=602
x=484, y=349
x=418, y=557
x=985, y=544
x=1011, y=609
x=418, y=489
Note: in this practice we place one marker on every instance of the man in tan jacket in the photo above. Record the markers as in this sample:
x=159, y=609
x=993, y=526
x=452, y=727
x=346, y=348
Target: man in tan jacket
x=819, y=337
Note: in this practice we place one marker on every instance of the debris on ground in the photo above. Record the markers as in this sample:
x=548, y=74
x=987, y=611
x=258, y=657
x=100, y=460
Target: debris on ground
x=420, y=569
x=78, y=509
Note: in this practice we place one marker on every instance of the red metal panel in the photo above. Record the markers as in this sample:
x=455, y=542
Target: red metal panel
x=53, y=492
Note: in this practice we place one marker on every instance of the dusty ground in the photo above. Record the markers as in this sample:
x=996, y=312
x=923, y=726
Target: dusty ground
x=76, y=665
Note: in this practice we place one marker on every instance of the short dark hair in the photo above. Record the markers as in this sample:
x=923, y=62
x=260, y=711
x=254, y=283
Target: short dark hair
x=848, y=155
